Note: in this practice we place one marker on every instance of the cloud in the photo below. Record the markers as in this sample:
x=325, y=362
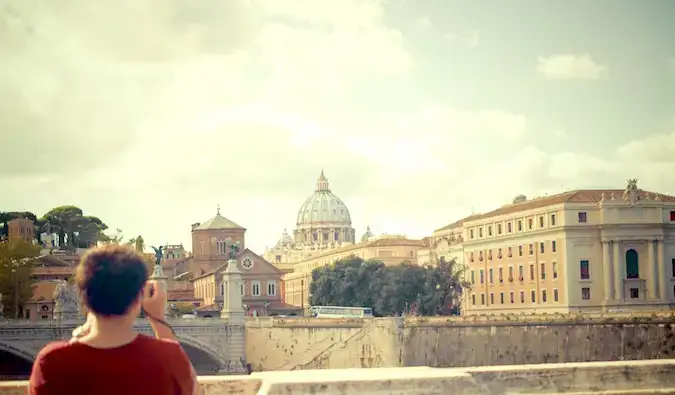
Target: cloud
x=571, y=67
x=468, y=39
x=671, y=64
x=422, y=22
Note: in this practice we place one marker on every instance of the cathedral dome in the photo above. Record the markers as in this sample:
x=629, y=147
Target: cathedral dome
x=323, y=208
x=285, y=240
x=368, y=236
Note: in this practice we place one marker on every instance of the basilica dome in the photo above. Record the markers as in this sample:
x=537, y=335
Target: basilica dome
x=323, y=208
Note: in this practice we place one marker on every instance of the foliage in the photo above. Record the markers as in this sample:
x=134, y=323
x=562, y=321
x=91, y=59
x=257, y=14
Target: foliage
x=7, y=216
x=390, y=290
x=74, y=229
x=176, y=310
x=16, y=282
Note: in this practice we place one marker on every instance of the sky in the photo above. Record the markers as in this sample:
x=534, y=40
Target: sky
x=149, y=114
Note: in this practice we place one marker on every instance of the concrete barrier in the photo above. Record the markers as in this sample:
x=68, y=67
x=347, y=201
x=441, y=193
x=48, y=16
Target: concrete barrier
x=616, y=378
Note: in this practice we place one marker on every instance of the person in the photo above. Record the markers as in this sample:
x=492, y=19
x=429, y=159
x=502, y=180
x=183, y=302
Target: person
x=106, y=355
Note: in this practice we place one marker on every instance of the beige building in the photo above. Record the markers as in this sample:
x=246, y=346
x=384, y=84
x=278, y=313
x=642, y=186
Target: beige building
x=579, y=251
x=21, y=228
x=390, y=249
x=323, y=223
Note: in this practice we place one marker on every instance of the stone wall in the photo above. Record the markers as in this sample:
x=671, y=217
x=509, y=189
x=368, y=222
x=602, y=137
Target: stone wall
x=616, y=378
x=297, y=344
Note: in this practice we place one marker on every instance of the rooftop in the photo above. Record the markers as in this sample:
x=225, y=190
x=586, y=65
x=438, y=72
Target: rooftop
x=218, y=222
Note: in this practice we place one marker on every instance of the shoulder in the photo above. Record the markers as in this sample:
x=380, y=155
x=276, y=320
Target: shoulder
x=163, y=345
x=53, y=349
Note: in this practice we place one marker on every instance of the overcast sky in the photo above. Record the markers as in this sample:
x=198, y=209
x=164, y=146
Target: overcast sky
x=150, y=113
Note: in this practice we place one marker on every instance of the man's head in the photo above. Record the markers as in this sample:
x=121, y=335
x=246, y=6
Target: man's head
x=111, y=280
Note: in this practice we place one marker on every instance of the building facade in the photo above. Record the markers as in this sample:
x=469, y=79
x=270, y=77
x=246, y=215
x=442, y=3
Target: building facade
x=579, y=251
x=21, y=228
x=323, y=223
x=210, y=244
x=260, y=289
x=389, y=249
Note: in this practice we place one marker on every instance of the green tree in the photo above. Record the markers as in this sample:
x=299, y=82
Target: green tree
x=176, y=310
x=6, y=216
x=16, y=281
x=446, y=283
x=74, y=229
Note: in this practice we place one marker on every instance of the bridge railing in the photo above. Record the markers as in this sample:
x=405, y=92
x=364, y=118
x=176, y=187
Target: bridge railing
x=616, y=378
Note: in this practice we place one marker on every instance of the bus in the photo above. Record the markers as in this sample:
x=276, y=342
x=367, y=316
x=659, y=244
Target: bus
x=340, y=312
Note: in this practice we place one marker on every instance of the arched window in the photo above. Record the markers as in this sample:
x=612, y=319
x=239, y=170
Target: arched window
x=632, y=264
x=220, y=247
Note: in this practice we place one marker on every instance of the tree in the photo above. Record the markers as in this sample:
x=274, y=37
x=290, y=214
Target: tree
x=74, y=229
x=176, y=310
x=7, y=216
x=389, y=290
x=16, y=281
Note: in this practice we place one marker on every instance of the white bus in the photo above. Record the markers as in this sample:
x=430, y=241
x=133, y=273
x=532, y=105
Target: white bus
x=340, y=312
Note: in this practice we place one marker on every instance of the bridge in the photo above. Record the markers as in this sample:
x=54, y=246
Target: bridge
x=213, y=345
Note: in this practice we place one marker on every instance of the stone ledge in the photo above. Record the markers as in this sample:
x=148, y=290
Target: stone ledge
x=615, y=378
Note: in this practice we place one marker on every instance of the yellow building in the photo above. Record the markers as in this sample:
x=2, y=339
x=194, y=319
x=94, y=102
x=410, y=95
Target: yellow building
x=579, y=251
x=389, y=249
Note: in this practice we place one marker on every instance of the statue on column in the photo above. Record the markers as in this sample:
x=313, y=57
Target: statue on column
x=158, y=261
x=234, y=250
x=66, y=306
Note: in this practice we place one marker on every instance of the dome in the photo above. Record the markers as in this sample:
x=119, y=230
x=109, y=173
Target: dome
x=323, y=207
x=368, y=236
x=285, y=240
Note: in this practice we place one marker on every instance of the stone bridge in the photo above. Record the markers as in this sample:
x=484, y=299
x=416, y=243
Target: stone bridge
x=214, y=347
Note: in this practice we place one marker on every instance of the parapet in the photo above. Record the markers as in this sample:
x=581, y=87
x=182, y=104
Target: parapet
x=617, y=378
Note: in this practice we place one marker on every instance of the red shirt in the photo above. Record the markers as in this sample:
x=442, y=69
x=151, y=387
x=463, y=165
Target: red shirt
x=146, y=366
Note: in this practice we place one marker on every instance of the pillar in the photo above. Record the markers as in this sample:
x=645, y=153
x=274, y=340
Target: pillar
x=161, y=280
x=619, y=269
x=233, y=312
x=653, y=272
x=662, y=270
x=607, y=272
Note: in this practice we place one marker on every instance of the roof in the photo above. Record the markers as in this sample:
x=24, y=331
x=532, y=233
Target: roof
x=177, y=295
x=55, y=271
x=459, y=223
x=218, y=222
x=50, y=261
x=44, y=290
x=382, y=242
x=578, y=196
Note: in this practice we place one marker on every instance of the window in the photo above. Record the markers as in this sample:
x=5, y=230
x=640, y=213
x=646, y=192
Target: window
x=541, y=248
x=255, y=288
x=480, y=256
x=220, y=247
x=520, y=250
x=553, y=246
x=522, y=296
x=672, y=215
x=473, y=277
x=543, y=271
x=501, y=297
x=555, y=295
x=482, y=299
x=520, y=273
x=490, y=230
x=510, y=274
x=271, y=288
x=632, y=265
x=508, y=227
x=510, y=252
x=471, y=233
x=480, y=232
x=543, y=296
x=634, y=293
x=241, y=289
x=533, y=296
x=585, y=293
x=552, y=219
x=582, y=217
x=541, y=221
x=501, y=275
x=490, y=255
x=554, y=269
x=531, y=249
x=471, y=257
x=491, y=276
x=499, y=253
x=585, y=270
x=520, y=226
x=482, y=277
x=499, y=229
x=473, y=300
x=492, y=298
x=511, y=297
x=529, y=223
x=278, y=258
x=531, y=272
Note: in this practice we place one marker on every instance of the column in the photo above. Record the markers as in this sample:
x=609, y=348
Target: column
x=233, y=309
x=663, y=271
x=607, y=272
x=162, y=281
x=653, y=272
x=619, y=269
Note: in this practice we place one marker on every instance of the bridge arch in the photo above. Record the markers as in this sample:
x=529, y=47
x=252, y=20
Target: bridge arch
x=16, y=361
x=204, y=358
